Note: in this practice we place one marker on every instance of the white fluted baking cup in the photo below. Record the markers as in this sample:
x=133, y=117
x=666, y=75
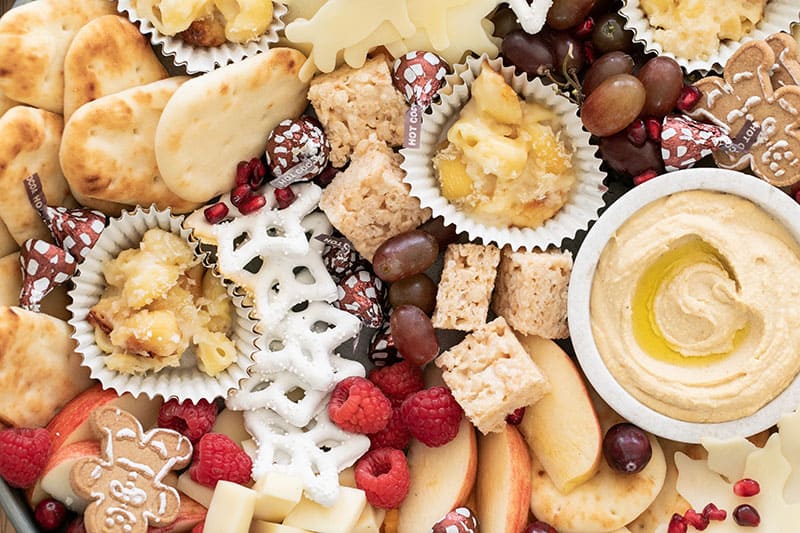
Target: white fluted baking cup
x=779, y=15
x=771, y=199
x=185, y=382
x=197, y=59
x=586, y=196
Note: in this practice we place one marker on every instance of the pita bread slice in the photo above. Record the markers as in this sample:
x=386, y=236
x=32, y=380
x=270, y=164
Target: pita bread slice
x=6, y=103
x=107, y=55
x=108, y=151
x=54, y=304
x=34, y=39
x=29, y=141
x=7, y=242
x=39, y=369
x=225, y=116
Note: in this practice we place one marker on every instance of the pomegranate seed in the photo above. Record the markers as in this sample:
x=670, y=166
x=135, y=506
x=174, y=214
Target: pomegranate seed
x=589, y=52
x=242, y=173
x=585, y=28
x=252, y=204
x=539, y=527
x=712, y=512
x=746, y=516
x=689, y=97
x=647, y=175
x=677, y=524
x=258, y=171
x=239, y=194
x=285, y=197
x=326, y=176
x=746, y=487
x=653, y=127
x=515, y=418
x=216, y=213
x=636, y=132
x=50, y=514
x=695, y=519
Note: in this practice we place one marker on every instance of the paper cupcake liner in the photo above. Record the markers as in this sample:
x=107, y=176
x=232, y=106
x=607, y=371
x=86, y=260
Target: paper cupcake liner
x=197, y=60
x=779, y=15
x=585, y=199
x=186, y=382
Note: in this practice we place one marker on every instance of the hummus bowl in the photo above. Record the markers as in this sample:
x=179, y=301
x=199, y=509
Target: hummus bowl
x=676, y=305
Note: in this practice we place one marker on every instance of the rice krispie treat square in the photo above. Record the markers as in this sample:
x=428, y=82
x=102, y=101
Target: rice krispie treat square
x=491, y=375
x=465, y=290
x=369, y=202
x=531, y=292
x=353, y=104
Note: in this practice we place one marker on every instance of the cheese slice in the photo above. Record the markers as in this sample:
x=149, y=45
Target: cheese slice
x=341, y=517
x=231, y=509
x=370, y=520
x=259, y=526
x=276, y=495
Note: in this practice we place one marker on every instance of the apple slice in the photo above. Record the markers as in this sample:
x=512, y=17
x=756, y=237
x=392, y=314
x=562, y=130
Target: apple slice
x=190, y=514
x=503, y=485
x=56, y=474
x=441, y=480
x=569, y=452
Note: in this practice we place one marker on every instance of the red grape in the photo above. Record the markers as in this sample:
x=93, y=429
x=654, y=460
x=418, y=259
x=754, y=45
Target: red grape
x=418, y=290
x=529, y=53
x=564, y=14
x=567, y=52
x=613, y=105
x=413, y=335
x=627, y=448
x=627, y=158
x=610, y=35
x=404, y=255
x=505, y=21
x=606, y=66
x=662, y=78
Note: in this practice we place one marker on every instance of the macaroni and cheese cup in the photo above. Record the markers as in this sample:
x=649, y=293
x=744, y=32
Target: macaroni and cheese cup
x=586, y=195
x=184, y=382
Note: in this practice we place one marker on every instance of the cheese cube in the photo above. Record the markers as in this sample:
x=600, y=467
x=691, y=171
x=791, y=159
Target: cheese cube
x=231, y=423
x=199, y=493
x=276, y=495
x=231, y=509
x=341, y=517
x=259, y=526
x=370, y=520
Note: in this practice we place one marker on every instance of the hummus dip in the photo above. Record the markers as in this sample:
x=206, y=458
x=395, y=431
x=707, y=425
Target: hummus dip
x=695, y=306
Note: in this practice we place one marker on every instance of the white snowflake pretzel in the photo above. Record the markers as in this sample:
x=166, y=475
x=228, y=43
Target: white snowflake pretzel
x=316, y=453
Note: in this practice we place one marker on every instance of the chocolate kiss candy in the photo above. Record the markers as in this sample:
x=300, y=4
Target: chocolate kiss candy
x=44, y=266
x=297, y=150
x=685, y=141
x=381, y=348
x=419, y=76
x=362, y=294
x=77, y=230
x=339, y=257
x=460, y=520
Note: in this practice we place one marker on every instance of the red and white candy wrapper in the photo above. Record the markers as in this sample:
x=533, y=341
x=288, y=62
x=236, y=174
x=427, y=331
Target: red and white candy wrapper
x=362, y=294
x=77, y=230
x=685, y=141
x=44, y=267
x=339, y=256
x=418, y=75
x=297, y=150
x=459, y=520
x=381, y=348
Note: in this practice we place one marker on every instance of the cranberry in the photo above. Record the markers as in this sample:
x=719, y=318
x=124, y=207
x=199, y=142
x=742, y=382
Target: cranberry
x=239, y=194
x=76, y=526
x=653, y=127
x=626, y=448
x=539, y=527
x=677, y=524
x=258, y=171
x=689, y=97
x=637, y=132
x=695, y=519
x=285, y=197
x=50, y=514
x=746, y=516
x=515, y=418
x=252, y=204
x=242, y=173
x=647, y=175
x=216, y=213
x=712, y=512
x=584, y=29
x=746, y=487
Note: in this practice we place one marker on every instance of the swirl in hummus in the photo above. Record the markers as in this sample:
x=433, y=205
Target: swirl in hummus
x=695, y=306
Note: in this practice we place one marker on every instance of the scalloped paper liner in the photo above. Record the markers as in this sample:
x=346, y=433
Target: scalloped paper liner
x=779, y=15
x=586, y=197
x=186, y=382
x=197, y=60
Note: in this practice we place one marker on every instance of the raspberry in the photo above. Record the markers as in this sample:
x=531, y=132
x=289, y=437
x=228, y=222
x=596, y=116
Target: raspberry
x=359, y=406
x=217, y=457
x=432, y=416
x=394, y=435
x=398, y=381
x=189, y=419
x=23, y=454
x=383, y=475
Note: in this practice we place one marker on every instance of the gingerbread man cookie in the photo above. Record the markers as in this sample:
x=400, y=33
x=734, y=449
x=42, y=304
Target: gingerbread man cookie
x=125, y=485
x=759, y=108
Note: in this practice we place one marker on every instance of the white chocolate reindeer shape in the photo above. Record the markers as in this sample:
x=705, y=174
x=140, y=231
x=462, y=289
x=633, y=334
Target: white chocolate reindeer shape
x=125, y=486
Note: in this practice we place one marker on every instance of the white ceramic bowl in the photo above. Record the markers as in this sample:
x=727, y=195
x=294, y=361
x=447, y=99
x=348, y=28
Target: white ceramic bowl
x=775, y=202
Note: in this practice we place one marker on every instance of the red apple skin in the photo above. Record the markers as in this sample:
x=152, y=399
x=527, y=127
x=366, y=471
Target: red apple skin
x=70, y=452
x=84, y=448
x=190, y=514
